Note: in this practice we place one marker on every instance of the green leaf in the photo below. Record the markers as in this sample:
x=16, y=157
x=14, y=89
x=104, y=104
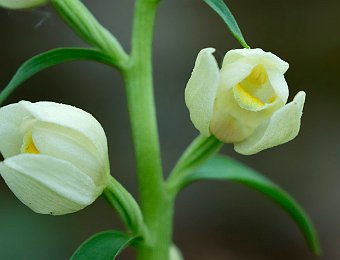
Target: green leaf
x=224, y=168
x=105, y=245
x=82, y=21
x=49, y=59
x=223, y=11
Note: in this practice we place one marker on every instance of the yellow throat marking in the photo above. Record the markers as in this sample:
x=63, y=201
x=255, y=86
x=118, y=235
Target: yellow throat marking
x=258, y=75
x=246, y=90
x=28, y=145
x=248, y=99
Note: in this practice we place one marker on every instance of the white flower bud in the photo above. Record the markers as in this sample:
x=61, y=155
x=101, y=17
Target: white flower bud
x=21, y=4
x=244, y=102
x=56, y=157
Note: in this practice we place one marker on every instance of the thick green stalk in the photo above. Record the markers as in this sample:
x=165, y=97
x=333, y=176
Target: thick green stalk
x=156, y=204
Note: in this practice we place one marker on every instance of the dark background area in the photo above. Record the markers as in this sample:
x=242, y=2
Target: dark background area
x=212, y=220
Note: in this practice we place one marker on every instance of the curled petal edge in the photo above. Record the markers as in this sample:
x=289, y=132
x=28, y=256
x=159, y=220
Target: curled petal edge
x=283, y=126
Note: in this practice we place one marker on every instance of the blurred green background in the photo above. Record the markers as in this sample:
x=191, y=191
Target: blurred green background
x=212, y=220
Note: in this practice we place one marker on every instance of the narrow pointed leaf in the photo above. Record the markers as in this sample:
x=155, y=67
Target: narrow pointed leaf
x=224, y=168
x=223, y=11
x=105, y=245
x=49, y=59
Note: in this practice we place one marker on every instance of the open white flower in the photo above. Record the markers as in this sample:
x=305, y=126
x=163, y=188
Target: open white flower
x=21, y=4
x=56, y=157
x=245, y=102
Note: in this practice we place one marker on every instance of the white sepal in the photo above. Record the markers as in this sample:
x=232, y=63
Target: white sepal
x=69, y=117
x=201, y=90
x=48, y=185
x=11, y=136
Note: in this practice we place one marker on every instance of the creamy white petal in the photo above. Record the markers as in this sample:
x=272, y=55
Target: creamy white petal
x=19, y=4
x=70, y=117
x=67, y=144
x=201, y=90
x=233, y=73
x=283, y=126
x=48, y=185
x=259, y=55
x=279, y=84
x=11, y=134
x=230, y=123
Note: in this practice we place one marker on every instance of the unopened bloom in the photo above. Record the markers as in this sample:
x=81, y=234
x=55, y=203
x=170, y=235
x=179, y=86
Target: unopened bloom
x=244, y=102
x=55, y=156
x=21, y=4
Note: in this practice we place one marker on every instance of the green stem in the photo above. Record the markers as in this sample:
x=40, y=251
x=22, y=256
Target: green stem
x=156, y=204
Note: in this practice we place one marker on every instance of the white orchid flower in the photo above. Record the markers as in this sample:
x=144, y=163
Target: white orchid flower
x=245, y=102
x=21, y=4
x=55, y=156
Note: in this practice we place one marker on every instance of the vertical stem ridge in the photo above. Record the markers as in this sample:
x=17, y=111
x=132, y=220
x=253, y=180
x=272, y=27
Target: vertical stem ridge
x=141, y=104
x=156, y=204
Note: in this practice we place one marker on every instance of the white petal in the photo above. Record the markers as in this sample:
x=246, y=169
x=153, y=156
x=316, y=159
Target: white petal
x=279, y=84
x=201, y=90
x=48, y=185
x=230, y=123
x=66, y=144
x=234, y=72
x=70, y=117
x=259, y=55
x=18, y=4
x=282, y=127
x=11, y=134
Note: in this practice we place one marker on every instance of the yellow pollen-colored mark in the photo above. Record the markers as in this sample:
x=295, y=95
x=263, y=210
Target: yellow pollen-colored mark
x=258, y=75
x=248, y=100
x=28, y=145
x=272, y=99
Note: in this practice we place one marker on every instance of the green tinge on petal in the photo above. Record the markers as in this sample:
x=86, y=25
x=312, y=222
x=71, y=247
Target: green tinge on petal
x=21, y=4
x=201, y=89
x=48, y=185
x=283, y=126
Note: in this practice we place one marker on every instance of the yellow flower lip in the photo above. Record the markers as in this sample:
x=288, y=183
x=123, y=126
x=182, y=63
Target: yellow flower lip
x=247, y=99
x=28, y=145
x=254, y=92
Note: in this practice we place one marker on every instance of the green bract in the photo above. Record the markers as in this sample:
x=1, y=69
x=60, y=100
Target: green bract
x=21, y=4
x=56, y=158
x=244, y=102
